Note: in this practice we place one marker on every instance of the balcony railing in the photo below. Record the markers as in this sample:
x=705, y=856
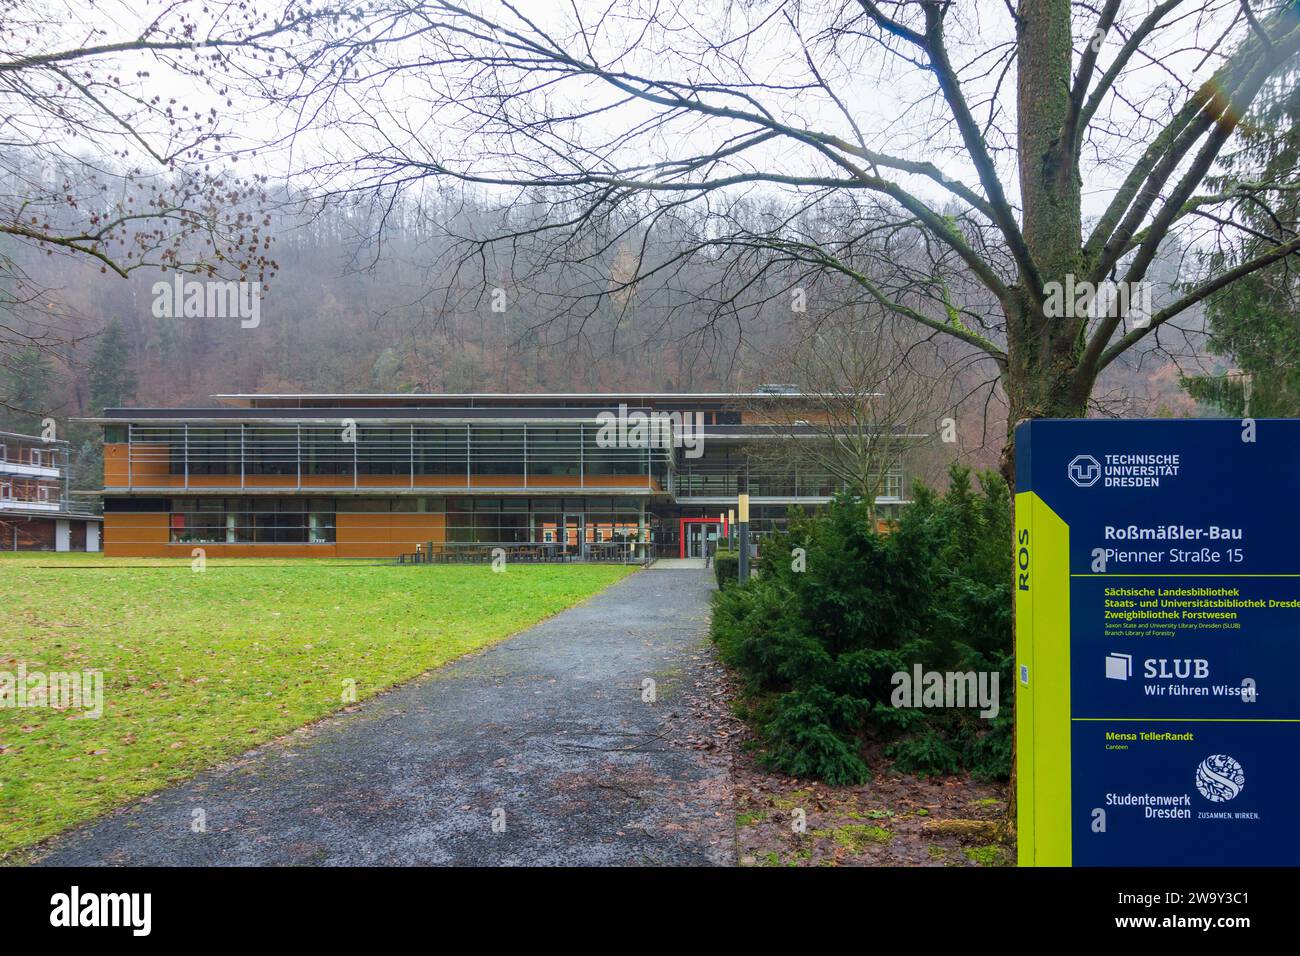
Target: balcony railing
x=719, y=480
x=29, y=487
x=32, y=504
x=312, y=456
x=26, y=460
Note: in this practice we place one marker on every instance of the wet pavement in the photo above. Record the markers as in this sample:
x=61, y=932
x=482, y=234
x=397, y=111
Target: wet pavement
x=541, y=750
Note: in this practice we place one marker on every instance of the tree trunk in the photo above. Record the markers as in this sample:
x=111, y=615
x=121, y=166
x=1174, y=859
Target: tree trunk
x=1041, y=382
x=1041, y=378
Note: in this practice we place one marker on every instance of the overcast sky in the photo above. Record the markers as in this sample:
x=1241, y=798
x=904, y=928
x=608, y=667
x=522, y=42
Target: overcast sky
x=885, y=96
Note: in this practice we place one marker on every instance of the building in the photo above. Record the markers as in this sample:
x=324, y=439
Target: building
x=618, y=476
x=35, y=509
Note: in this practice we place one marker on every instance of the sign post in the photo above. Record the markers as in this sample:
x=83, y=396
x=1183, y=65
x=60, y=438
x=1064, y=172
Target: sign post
x=742, y=535
x=1157, y=588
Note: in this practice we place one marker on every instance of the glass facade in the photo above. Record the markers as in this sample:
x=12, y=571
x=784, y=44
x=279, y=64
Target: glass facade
x=466, y=520
x=511, y=455
x=545, y=483
x=251, y=521
x=727, y=475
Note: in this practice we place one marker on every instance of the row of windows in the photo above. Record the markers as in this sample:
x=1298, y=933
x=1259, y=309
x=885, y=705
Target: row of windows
x=27, y=455
x=27, y=489
x=388, y=451
x=233, y=527
x=313, y=520
x=302, y=520
x=692, y=483
x=406, y=503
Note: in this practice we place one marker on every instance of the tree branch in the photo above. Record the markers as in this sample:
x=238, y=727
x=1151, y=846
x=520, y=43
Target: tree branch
x=1190, y=299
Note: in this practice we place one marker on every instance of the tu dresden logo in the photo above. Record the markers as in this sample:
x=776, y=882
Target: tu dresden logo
x=1084, y=470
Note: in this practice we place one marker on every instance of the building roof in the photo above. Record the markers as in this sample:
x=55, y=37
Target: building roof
x=374, y=414
x=432, y=417
x=445, y=406
x=773, y=392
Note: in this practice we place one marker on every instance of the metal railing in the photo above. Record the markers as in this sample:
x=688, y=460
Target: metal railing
x=604, y=552
x=411, y=456
x=726, y=480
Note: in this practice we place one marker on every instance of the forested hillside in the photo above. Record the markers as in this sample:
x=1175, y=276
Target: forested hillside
x=413, y=306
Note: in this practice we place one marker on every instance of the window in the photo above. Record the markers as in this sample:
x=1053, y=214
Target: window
x=440, y=451
x=252, y=521
x=487, y=521
x=363, y=505
x=460, y=520
x=320, y=527
x=324, y=452
x=271, y=451
x=892, y=486
x=600, y=461
x=201, y=520
x=138, y=505
x=514, y=527
x=214, y=451
x=497, y=451
x=553, y=451
x=383, y=451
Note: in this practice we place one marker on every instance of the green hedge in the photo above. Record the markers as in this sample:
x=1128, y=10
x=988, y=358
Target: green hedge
x=726, y=567
x=815, y=649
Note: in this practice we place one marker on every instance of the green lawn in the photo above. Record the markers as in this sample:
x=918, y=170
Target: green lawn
x=201, y=666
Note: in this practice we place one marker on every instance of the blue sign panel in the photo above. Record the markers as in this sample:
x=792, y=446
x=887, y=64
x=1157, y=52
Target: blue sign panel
x=1158, y=642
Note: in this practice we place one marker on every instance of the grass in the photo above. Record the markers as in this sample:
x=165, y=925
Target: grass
x=198, y=668
x=992, y=855
x=856, y=837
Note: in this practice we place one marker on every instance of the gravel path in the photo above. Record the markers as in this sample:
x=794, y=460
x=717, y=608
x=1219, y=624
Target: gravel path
x=538, y=751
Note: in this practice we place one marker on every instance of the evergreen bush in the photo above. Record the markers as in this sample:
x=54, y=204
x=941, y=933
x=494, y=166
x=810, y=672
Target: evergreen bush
x=816, y=648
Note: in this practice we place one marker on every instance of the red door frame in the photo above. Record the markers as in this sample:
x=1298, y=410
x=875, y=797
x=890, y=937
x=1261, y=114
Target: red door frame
x=683, y=522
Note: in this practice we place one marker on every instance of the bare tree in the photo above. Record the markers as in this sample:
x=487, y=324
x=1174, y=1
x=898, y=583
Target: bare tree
x=612, y=118
x=866, y=405
x=112, y=121
x=996, y=122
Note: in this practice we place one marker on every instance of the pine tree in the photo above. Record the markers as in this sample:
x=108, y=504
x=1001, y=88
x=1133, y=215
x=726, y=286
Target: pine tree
x=1257, y=319
x=25, y=382
x=111, y=379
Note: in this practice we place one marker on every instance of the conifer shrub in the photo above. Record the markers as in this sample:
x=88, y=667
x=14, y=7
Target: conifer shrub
x=726, y=567
x=816, y=643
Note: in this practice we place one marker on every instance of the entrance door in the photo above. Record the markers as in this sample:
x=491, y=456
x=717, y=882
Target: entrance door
x=698, y=537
